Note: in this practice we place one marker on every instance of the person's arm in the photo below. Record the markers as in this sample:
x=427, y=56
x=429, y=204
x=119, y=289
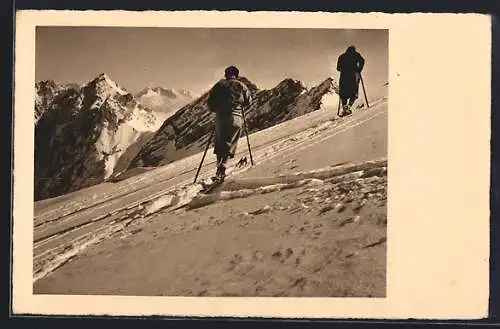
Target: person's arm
x=338, y=63
x=214, y=88
x=212, y=95
x=361, y=63
x=247, y=96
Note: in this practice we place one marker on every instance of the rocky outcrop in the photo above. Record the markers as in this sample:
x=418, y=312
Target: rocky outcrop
x=321, y=96
x=45, y=93
x=272, y=106
x=82, y=134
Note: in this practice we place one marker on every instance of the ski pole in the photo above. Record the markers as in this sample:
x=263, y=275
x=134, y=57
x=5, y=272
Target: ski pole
x=248, y=139
x=204, y=153
x=364, y=91
x=338, y=109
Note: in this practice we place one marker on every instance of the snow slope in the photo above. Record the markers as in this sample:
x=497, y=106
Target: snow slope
x=63, y=229
x=366, y=186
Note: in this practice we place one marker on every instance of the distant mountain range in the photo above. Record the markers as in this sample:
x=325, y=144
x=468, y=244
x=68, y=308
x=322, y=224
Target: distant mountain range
x=87, y=134
x=165, y=101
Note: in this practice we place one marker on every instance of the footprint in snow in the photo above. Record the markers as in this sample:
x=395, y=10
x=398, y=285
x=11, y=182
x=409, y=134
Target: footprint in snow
x=262, y=210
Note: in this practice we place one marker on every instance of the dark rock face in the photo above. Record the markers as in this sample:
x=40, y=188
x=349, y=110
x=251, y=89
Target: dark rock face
x=271, y=107
x=312, y=100
x=188, y=129
x=82, y=133
x=46, y=92
x=67, y=159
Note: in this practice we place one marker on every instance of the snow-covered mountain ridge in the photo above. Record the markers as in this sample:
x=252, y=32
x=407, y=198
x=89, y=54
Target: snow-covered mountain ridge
x=81, y=134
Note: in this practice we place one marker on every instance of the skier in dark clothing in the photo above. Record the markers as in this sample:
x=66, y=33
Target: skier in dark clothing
x=349, y=64
x=227, y=99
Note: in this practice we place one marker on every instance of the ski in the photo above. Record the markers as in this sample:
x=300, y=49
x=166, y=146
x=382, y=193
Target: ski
x=208, y=188
x=345, y=114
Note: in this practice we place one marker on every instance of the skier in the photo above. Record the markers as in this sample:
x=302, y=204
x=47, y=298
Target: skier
x=227, y=99
x=349, y=64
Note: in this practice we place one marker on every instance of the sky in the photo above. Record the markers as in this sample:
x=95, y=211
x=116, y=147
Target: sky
x=195, y=58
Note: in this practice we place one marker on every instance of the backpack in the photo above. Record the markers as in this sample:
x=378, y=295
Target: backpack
x=221, y=98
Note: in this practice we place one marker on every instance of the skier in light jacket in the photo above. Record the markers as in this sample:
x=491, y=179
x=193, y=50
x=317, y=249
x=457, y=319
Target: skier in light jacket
x=227, y=99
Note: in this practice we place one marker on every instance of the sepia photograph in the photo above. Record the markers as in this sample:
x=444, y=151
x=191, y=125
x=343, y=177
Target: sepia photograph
x=210, y=161
x=264, y=164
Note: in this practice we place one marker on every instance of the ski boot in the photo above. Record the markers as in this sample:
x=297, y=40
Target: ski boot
x=220, y=174
x=346, y=110
x=351, y=104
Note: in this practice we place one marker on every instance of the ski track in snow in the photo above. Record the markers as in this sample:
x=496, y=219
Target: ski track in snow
x=63, y=232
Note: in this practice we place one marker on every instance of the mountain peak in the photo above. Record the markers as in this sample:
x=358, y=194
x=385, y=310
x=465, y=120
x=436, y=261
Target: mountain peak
x=253, y=88
x=156, y=91
x=46, y=84
x=103, y=75
x=164, y=101
x=291, y=82
x=187, y=93
x=169, y=92
x=103, y=83
x=330, y=82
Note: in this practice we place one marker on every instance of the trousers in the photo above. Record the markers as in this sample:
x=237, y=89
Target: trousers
x=227, y=134
x=349, y=87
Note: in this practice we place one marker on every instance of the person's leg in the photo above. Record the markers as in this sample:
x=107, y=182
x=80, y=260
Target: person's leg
x=347, y=92
x=232, y=132
x=219, y=164
x=343, y=100
x=343, y=90
x=352, y=99
x=225, y=145
x=220, y=148
x=236, y=132
x=345, y=107
x=347, y=110
x=356, y=90
x=352, y=89
x=357, y=78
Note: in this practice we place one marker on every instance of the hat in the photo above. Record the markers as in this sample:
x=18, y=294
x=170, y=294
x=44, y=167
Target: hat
x=232, y=71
